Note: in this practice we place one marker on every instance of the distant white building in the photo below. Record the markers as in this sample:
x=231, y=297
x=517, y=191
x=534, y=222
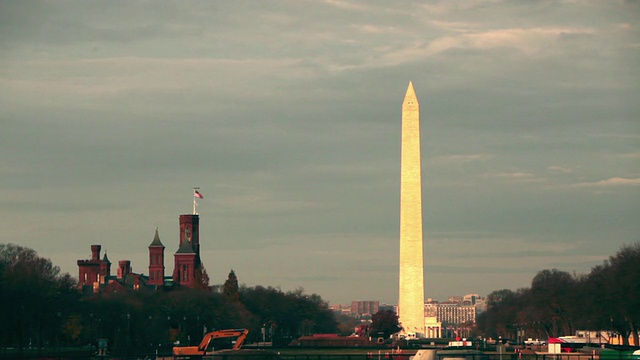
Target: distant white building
x=457, y=310
x=474, y=299
x=451, y=313
x=433, y=328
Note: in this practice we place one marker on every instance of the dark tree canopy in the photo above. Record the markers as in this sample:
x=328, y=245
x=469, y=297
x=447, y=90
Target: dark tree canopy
x=201, y=277
x=230, y=288
x=559, y=303
x=47, y=309
x=287, y=315
x=384, y=323
x=34, y=297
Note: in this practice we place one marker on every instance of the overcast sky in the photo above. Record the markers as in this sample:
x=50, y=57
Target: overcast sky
x=287, y=115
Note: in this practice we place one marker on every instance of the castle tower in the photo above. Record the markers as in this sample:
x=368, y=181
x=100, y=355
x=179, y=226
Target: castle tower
x=156, y=261
x=105, y=269
x=91, y=272
x=124, y=269
x=190, y=231
x=184, y=265
x=411, y=289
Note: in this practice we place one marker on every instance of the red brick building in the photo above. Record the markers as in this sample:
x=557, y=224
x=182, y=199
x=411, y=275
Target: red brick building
x=95, y=273
x=156, y=262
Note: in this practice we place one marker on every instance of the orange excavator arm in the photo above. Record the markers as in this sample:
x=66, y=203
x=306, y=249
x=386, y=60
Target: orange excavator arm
x=241, y=335
x=201, y=349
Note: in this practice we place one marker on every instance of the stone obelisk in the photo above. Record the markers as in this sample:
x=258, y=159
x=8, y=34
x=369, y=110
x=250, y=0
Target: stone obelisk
x=411, y=292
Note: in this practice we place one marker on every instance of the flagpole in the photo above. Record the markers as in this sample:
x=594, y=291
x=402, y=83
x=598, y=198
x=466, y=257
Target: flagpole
x=195, y=204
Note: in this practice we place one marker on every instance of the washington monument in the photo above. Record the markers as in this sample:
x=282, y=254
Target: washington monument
x=411, y=292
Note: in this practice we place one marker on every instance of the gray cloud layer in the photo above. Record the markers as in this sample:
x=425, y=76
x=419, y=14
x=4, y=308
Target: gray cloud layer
x=287, y=115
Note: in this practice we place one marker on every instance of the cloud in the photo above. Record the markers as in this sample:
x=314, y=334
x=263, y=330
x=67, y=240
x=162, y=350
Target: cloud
x=447, y=39
x=187, y=84
x=508, y=175
x=345, y=5
x=635, y=155
x=288, y=117
x=460, y=158
x=561, y=169
x=483, y=249
x=615, y=181
x=528, y=41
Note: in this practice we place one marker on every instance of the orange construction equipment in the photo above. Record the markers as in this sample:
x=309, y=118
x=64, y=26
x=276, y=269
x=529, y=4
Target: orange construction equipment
x=201, y=350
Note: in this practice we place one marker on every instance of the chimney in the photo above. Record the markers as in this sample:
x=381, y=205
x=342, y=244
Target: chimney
x=95, y=252
x=124, y=268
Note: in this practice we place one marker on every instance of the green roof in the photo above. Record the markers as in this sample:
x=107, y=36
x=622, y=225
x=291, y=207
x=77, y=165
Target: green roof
x=156, y=240
x=185, y=247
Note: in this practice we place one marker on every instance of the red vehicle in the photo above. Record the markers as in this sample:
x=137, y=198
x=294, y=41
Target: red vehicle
x=569, y=343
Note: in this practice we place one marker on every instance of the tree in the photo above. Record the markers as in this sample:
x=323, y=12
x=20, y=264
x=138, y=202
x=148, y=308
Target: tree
x=287, y=315
x=314, y=315
x=35, y=298
x=552, y=294
x=230, y=288
x=626, y=272
x=384, y=323
x=615, y=302
x=348, y=324
x=501, y=314
x=559, y=303
x=201, y=278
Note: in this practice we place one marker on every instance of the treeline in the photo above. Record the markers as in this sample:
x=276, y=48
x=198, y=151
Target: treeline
x=42, y=308
x=559, y=303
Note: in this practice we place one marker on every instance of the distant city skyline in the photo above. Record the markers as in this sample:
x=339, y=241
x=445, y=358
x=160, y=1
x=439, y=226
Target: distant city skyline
x=287, y=116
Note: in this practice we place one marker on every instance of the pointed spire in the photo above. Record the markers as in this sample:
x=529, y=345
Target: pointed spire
x=410, y=87
x=105, y=259
x=156, y=240
x=411, y=93
x=185, y=247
